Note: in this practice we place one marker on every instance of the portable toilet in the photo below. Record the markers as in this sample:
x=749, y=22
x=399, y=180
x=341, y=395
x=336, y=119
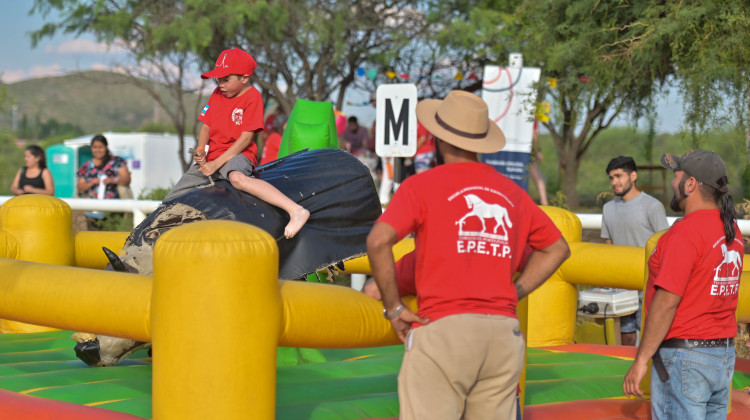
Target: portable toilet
x=63, y=162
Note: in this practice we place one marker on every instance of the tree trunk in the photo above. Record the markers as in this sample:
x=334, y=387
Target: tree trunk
x=570, y=179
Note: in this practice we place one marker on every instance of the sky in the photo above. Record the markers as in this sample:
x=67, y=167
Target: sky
x=57, y=56
x=65, y=53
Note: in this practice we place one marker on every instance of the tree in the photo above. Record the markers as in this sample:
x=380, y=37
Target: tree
x=312, y=48
x=304, y=48
x=151, y=32
x=567, y=40
x=707, y=45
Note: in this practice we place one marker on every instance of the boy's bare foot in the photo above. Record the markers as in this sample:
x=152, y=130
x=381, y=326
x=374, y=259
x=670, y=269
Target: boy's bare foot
x=297, y=219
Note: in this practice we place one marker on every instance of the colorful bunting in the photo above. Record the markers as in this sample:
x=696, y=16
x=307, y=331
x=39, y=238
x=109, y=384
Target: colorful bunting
x=360, y=72
x=390, y=74
x=403, y=76
x=371, y=74
x=473, y=76
x=459, y=76
x=552, y=82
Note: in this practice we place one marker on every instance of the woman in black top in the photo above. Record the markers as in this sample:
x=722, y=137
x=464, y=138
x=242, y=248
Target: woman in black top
x=34, y=178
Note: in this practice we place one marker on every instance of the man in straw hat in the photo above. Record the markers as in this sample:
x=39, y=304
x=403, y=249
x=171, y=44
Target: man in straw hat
x=691, y=297
x=464, y=350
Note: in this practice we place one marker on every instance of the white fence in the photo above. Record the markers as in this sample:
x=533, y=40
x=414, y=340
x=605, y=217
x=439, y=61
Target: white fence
x=141, y=208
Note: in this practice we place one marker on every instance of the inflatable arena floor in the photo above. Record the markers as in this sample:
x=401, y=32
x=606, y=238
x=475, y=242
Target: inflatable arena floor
x=46, y=380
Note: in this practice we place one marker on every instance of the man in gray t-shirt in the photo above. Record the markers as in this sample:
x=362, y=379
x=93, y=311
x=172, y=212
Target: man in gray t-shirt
x=630, y=219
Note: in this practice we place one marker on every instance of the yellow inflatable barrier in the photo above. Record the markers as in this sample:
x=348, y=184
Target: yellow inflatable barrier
x=88, y=247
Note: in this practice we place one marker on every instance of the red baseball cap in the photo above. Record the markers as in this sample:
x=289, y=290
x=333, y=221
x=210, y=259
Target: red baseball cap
x=234, y=61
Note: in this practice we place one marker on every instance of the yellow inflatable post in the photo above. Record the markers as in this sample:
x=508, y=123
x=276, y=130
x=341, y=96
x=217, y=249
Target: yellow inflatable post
x=216, y=319
x=88, y=247
x=42, y=227
x=552, y=322
x=8, y=246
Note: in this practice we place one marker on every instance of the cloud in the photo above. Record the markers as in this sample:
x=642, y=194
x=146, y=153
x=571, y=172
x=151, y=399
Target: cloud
x=101, y=67
x=45, y=71
x=82, y=46
x=12, y=76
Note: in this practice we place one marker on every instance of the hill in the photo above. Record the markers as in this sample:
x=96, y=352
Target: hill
x=95, y=101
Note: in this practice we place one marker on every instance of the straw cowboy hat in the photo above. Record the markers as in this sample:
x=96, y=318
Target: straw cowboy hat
x=461, y=119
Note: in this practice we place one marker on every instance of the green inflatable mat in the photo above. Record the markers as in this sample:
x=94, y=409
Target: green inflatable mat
x=342, y=384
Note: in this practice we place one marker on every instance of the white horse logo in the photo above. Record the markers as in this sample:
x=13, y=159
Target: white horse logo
x=482, y=210
x=730, y=257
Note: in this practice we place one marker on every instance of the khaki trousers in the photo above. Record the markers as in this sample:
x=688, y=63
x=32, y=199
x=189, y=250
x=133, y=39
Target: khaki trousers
x=463, y=366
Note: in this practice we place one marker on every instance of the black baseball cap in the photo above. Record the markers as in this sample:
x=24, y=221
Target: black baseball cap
x=703, y=165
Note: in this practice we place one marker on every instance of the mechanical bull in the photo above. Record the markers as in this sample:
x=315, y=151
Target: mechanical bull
x=333, y=185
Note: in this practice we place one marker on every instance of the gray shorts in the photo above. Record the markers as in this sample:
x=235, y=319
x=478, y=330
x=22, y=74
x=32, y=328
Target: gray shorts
x=193, y=178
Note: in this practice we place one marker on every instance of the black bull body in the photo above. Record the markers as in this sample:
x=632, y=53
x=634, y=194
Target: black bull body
x=333, y=185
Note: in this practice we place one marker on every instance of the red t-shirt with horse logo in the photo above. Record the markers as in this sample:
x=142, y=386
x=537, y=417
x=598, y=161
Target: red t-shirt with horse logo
x=471, y=227
x=693, y=260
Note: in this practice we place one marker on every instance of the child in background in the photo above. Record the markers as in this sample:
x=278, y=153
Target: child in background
x=273, y=141
x=230, y=120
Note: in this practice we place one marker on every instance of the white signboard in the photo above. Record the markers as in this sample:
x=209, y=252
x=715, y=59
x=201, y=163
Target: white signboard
x=510, y=93
x=396, y=120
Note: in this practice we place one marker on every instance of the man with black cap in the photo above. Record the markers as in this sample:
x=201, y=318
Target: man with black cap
x=691, y=296
x=465, y=352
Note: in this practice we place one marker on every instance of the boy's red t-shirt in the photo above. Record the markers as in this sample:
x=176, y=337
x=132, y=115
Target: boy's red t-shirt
x=228, y=118
x=693, y=260
x=462, y=266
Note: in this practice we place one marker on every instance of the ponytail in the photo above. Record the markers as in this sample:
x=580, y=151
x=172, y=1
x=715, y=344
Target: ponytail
x=728, y=216
x=726, y=208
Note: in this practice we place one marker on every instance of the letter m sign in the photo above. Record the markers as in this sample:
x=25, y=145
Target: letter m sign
x=396, y=120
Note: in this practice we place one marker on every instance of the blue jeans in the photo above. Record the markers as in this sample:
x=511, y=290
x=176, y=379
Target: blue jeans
x=698, y=385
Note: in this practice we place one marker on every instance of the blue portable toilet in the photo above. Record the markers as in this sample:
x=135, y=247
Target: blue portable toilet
x=63, y=162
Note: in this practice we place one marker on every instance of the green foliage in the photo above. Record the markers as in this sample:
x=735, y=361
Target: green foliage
x=559, y=200
x=593, y=184
x=3, y=95
x=157, y=194
x=115, y=222
x=746, y=181
x=11, y=160
x=707, y=46
x=46, y=129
